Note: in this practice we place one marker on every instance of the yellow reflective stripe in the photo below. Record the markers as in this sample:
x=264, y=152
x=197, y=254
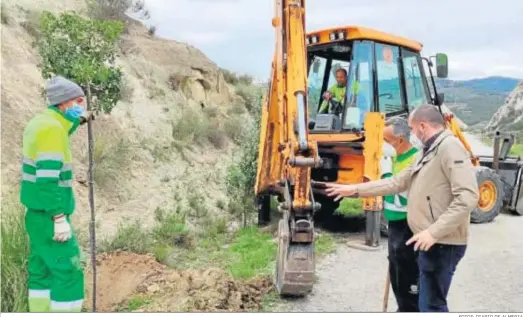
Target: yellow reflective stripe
x=47, y=173
x=49, y=156
x=393, y=207
x=28, y=161
x=39, y=293
x=75, y=305
x=67, y=183
x=29, y=177
x=32, y=179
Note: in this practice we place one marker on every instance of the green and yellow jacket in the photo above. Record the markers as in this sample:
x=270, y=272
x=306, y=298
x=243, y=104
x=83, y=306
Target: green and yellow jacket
x=395, y=206
x=338, y=93
x=47, y=177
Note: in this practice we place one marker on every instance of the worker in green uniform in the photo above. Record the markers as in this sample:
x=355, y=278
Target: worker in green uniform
x=56, y=280
x=403, y=265
x=336, y=91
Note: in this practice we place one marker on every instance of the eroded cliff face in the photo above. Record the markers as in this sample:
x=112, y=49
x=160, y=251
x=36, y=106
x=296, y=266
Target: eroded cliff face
x=510, y=115
x=138, y=157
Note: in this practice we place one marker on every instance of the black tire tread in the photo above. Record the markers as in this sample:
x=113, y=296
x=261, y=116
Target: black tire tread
x=484, y=173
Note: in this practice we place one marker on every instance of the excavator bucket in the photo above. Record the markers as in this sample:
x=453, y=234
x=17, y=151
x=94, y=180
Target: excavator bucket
x=295, y=260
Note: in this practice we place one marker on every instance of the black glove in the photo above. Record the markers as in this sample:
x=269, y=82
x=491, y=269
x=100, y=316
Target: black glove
x=86, y=116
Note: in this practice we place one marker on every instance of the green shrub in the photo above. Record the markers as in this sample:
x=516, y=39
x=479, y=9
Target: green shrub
x=108, y=9
x=245, y=79
x=171, y=228
x=129, y=237
x=4, y=15
x=241, y=174
x=94, y=63
x=111, y=157
x=251, y=96
x=230, y=77
x=15, y=252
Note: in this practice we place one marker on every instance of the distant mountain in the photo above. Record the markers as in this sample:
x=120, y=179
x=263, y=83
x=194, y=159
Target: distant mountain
x=476, y=100
x=494, y=84
x=510, y=115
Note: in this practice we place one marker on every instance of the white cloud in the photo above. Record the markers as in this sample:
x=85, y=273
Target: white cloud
x=482, y=38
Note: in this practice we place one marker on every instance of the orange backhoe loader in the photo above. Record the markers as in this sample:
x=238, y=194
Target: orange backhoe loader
x=300, y=144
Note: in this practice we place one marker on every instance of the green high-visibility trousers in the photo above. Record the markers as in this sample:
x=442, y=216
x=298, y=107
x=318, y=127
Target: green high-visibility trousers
x=56, y=278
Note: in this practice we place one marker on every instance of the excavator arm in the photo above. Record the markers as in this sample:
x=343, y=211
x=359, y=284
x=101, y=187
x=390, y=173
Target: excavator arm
x=286, y=155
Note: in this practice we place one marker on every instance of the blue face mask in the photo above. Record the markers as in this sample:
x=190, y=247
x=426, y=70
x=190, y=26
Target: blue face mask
x=74, y=112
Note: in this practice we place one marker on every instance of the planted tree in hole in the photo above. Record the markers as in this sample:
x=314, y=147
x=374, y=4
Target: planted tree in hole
x=83, y=51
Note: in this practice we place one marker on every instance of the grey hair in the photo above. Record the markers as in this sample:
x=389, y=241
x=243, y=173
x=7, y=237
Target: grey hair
x=400, y=127
x=428, y=113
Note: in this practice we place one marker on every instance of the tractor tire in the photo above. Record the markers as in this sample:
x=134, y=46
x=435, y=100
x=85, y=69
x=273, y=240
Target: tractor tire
x=491, y=195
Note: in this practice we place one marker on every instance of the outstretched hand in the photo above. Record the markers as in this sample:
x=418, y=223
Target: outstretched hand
x=340, y=190
x=424, y=241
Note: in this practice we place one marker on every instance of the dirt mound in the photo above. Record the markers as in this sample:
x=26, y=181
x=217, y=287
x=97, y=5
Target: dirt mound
x=124, y=276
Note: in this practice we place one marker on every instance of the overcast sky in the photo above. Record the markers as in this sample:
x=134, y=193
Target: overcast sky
x=481, y=37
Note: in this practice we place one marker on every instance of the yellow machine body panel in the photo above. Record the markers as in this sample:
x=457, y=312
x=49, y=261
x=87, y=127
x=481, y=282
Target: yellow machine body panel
x=358, y=33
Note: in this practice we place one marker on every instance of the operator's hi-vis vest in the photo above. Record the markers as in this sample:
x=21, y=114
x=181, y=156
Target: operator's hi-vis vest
x=395, y=206
x=47, y=177
x=338, y=93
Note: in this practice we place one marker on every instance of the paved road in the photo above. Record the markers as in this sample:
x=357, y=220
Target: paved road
x=478, y=147
x=489, y=278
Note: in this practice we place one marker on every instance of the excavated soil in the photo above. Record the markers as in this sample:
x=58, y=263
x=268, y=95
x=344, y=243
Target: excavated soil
x=123, y=276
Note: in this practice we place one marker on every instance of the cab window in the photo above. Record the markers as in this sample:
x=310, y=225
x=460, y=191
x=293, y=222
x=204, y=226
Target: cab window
x=388, y=78
x=361, y=90
x=315, y=83
x=415, y=87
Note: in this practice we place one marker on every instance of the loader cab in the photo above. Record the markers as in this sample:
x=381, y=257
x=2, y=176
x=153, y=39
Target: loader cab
x=381, y=77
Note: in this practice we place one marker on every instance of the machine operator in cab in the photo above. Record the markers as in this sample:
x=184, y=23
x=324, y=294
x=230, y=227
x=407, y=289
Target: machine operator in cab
x=336, y=91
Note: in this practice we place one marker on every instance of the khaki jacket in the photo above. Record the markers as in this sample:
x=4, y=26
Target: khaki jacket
x=442, y=190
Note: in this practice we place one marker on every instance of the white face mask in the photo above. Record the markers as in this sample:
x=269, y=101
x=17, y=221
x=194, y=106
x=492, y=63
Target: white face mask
x=388, y=150
x=416, y=142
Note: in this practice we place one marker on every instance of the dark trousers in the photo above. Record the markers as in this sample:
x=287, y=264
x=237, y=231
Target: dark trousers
x=437, y=266
x=403, y=267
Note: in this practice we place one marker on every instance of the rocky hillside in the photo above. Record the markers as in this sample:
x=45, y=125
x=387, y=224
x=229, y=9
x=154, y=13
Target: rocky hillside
x=510, y=115
x=476, y=100
x=167, y=143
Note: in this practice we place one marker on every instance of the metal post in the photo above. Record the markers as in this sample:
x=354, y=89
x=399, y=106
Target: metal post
x=372, y=226
x=495, y=159
x=92, y=223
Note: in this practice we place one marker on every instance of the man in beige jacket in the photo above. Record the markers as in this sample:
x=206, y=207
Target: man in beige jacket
x=442, y=191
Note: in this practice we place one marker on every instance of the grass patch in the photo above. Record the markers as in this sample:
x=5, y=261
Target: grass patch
x=244, y=254
x=15, y=251
x=252, y=252
x=111, y=156
x=171, y=229
x=197, y=127
x=137, y=302
x=517, y=149
x=129, y=237
x=324, y=244
x=350, y=207
x=32, y=24
x=4, y=14
x=270, y=301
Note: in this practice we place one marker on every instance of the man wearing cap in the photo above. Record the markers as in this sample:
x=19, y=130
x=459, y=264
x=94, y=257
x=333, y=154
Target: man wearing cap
x=56, y=281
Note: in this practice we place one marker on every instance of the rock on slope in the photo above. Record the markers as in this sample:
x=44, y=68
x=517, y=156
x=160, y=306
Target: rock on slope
x=141, y=167
x=510, y=115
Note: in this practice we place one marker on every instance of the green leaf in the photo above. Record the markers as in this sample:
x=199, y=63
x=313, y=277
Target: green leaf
x=82, y=50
